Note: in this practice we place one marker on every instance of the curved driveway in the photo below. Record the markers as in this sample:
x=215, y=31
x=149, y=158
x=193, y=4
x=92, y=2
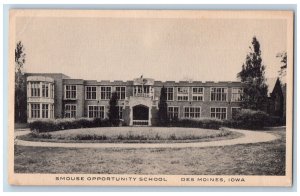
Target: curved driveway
x=247, y=138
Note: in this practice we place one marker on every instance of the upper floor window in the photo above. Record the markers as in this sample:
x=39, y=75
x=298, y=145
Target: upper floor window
x=105, y=92
x=218, y=94
x=170, y=93
x=236, y=94
x=70, y=91
x=192, y=112
x=121, y=92
x=70, y=110
x=35, y=89
x=90, y=92
x=45, y=90
x=182, y=94
x=198, y=94
x=52, y=90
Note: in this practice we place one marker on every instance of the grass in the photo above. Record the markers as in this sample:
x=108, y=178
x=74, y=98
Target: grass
x=132, y=135
x=247, y=159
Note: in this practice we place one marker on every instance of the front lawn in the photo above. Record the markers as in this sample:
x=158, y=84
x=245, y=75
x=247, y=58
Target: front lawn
x=133, y=135
x=247, y=159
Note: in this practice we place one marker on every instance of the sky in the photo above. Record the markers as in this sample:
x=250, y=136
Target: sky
x=167, y=49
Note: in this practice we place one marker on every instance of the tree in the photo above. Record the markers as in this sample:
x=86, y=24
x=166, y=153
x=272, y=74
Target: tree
x=255, y=92
x=163, y=107
x=283, y=67
x=20, y=84
x=113, y=113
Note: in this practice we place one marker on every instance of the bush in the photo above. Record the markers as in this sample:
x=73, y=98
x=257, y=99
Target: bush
x=62, y=124
x=250, y=119
x=201, y=123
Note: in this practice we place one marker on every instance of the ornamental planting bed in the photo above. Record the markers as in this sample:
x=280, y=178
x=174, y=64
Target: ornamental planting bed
x=132, y=135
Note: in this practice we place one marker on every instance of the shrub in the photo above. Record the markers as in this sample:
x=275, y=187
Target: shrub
x=251, y=119
x=62, y=124
x=201, y=123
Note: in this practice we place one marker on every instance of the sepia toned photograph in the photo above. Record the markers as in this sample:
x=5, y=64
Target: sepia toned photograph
x=150, y=98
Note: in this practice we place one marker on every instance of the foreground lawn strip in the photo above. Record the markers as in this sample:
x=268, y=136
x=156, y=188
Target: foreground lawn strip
x=133, y=135
x=247, y=159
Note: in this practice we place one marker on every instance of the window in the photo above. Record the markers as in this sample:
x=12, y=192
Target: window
x=192, y=112
x=219, y=113
x=95, y=111
x=35, y=89
x=236, y=94
x=170, y=93
x=90, y=92
x=173, y=112
x=105, y=92
x=218, y=94
x=35, y=110
x=51, y=111
x=45, y=90
x=198, y=94
x=70, y=91
x=70, y=111
x=45, y=110
x=52, y=91
x=121, y=92
x=234, y=112
x=120, y=112
x=182, y=94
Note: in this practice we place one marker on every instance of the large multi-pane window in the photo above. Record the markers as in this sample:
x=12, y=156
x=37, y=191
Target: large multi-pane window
x=35, y=89
x=192, y=112
x=121, y=92
x=219, y=113
x=35, y=110
x=105, y=92
x=120, y=112
x=51, y=91
x=182, y=94
x=198, y=94
x=218, y=94
x=70, y=110
x=45, y=111
x=90, y=92
x=236, y=94
x=170, y=93
x=51, y=111
x=70, y=91
x=95, y=111
x=45, y=90
x=173, y=112
x=234, y=112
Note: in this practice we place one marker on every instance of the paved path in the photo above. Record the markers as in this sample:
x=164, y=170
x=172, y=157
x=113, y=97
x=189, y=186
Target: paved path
x=249, y=137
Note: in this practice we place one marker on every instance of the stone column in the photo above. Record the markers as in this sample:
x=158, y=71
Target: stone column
x=131, y=116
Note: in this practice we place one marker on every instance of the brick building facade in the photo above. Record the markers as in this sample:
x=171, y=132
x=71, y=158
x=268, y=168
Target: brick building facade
x=52, y=96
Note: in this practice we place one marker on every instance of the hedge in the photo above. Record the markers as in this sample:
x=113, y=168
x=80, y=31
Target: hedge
x=61, y=124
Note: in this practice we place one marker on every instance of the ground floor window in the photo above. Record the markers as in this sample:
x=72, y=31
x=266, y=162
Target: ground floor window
x=120, y=112
x=173, y=112
x=45, y=111
x=192, y=112
x=95, y=111
x=35, y=110
x=51, y=111
x=234, y=112
x=70, y=111
x=219, y=113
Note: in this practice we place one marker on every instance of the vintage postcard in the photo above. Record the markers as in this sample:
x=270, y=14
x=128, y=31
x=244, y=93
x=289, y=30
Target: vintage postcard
x=150, y=98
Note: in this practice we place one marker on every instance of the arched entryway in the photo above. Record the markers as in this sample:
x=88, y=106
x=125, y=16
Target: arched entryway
x=140, y=115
